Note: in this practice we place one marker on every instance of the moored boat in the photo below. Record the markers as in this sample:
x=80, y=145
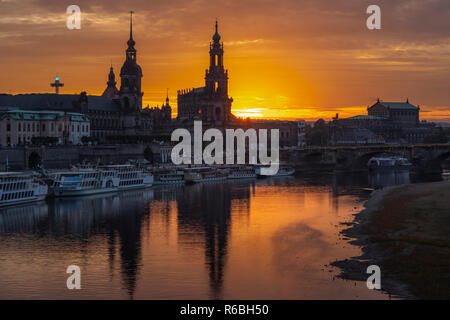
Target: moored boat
x=388, y=163
x=130, y=176
x=204, y=174
x=168, y=177
x=84, y=182
x=242, y=172
x=18, y=188
x=282, y=171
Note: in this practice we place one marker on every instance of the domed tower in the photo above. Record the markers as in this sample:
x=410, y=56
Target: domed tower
x=131, y=75
x=111, y=89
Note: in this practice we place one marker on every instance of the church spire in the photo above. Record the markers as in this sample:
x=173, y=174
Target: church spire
x=131, y=51
x=111, y=89
x=167, y=97
x=216, y=36
x=111, y=77
x=131, y=25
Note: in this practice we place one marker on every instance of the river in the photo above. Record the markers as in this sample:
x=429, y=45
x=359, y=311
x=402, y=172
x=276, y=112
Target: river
x=251, y=239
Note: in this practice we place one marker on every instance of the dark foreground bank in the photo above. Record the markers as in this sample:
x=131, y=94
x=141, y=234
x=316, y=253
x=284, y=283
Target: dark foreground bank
x=406, y=231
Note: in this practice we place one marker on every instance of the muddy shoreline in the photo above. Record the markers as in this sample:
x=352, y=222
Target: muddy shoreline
x=406, y=231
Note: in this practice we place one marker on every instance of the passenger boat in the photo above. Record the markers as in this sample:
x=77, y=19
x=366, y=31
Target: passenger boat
x=84, y=182
x=241, y=172
x=168, y=177
x=130, y=177
x=389, y=163
x=203, y=174
x=282, y=171
x=18, y=188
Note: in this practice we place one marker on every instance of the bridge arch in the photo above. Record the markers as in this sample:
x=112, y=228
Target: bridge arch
x=435, y=163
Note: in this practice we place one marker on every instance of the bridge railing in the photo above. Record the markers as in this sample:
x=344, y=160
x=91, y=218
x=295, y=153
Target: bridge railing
x=381, y=146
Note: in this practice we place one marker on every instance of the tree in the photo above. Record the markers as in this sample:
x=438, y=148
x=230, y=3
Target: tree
x=317, y=135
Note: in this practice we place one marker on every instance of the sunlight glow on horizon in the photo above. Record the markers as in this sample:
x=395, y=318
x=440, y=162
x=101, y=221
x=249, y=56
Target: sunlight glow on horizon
x=285, y=65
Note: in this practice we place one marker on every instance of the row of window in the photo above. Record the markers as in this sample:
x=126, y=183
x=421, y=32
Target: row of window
x=114, y=123
x=123, y=176
x=34, y=127
x=91, y=183
x=131, y=182
x=14, y=186
x=17, y=195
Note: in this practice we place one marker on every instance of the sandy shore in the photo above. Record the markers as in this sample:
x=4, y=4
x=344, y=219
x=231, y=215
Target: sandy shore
x=406, y=231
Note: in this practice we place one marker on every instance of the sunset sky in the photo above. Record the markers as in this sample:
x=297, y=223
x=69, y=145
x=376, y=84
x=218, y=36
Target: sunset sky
x=296, y=59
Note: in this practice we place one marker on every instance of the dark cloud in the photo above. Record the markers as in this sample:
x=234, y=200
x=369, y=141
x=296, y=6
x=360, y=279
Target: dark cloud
x=316, y=35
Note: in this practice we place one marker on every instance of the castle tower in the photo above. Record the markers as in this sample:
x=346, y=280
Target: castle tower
x=131, y=75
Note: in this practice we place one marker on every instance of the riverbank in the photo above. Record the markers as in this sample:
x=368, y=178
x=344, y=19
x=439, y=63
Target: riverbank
x=406, y=231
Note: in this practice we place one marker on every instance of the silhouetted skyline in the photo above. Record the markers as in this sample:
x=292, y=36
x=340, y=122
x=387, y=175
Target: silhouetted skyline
x=287, y=59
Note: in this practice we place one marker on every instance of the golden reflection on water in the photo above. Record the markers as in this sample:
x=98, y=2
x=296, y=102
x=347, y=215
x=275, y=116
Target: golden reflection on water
x=265, y=239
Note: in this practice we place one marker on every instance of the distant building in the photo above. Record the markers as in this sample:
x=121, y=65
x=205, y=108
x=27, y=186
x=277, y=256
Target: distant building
x=116, y=112
x=301, y=133
x=402, y=113
x=211, y=102
x=388, y=122
x=20, y=127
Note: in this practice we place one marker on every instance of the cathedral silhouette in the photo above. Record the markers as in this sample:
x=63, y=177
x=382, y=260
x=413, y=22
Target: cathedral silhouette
x=211, y=102
x=115, y=112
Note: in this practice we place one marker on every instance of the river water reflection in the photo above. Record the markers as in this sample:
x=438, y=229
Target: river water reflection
x=264, y=239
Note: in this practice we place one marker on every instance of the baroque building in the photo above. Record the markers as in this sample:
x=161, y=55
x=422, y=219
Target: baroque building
x=117, y=112
x=385, y=122
x=211, y=102
x=19, y=127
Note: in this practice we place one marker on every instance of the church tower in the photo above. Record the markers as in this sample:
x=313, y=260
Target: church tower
x=216, y=76
x=131, y=75
x=216, y=83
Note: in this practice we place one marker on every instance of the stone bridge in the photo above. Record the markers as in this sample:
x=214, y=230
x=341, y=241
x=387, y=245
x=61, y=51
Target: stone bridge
x=20, y=158
x=426, y=158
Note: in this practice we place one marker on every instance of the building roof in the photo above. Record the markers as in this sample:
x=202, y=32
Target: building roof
x=398, y=105
x=60, y=102
x=365, y=117
x=18, y=114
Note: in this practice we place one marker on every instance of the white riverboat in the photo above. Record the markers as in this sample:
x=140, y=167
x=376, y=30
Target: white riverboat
x=282, y=171
x=388, y=163
x=82, y=182
x=130, y=177
x=18, y=188
x=242, y=172
x=168, y=177
x=203, y=174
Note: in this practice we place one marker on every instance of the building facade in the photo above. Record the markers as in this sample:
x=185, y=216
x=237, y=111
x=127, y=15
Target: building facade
x=20, y=127
x=386, y=122
x=402, y=113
